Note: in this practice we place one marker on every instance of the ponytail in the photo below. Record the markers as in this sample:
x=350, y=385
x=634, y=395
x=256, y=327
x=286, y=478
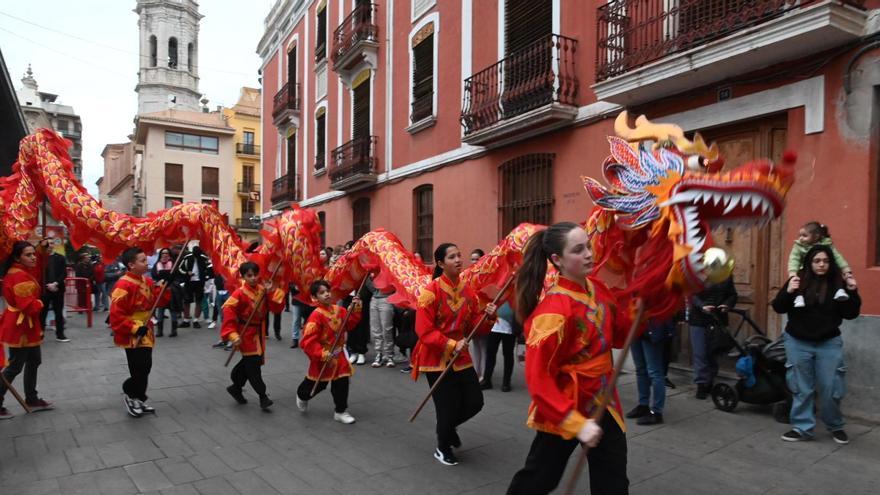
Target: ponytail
x=437, y=271
x=530, y=276
x=440, y=255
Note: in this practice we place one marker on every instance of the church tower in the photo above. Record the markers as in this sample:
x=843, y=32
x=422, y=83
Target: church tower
x=169, y=55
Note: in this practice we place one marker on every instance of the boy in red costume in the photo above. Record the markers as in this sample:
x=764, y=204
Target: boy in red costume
x=318, y=337
x=251, y=341
x=133, y=298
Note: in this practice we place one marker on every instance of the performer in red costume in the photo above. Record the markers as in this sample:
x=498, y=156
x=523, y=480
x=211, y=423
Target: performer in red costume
x=448, y=309
x=133, y=298
x=251, y=341
x=20, y=326
x=569, y=336
x=319, y=335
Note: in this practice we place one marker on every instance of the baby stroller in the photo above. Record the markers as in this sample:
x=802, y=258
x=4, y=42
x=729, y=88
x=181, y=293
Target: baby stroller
x=767, y=386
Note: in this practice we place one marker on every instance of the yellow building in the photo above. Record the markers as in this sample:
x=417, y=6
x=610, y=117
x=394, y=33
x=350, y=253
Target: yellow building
x=244, y=117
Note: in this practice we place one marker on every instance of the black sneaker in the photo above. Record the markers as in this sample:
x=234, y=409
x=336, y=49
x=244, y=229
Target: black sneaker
x=61, y=338
x=184, y=324
x=669, y=383
x=236, y=394
x=794, y=436
x=277, y=335
x=446, y=458
x=294, y=344
x=265, y=402
x=840, y=437
x=145, y=408
x=505, y=387
x=196, y=324
x=406, y=369
x=638, y=412
x=703, y=391
x=651, y=418
x=131, y=407
x=219, y=345
x=485, y=385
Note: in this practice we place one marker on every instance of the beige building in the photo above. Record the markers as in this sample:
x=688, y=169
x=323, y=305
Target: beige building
x=116, y=187
x=185, y=156
x=244, y=117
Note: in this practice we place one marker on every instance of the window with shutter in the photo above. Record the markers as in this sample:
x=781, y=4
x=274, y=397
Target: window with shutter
x=174, y=177
x=247, y=176
x=361, y=217
x=361, y=122
x=210, y=181
x=419, y=7
x=291, y=154
x=526, y=191
x=526, y=21
x=423, y=77
x=321, y=39
x=322, y=219
x=423, y=198
x=320, y=141
x=528, y=62
x=291, y=65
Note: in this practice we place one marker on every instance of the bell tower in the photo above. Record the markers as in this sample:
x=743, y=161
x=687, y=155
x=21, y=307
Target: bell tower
x=168, y=75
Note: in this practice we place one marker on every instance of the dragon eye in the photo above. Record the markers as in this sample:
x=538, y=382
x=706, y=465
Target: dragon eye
x=695, y=163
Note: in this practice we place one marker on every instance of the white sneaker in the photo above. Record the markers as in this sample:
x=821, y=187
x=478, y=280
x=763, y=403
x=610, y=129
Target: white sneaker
x=377, y=362
x=343, y=418
x=389, y=363
x=361, y=359
x=799, y=302
x=131, y=407
x=302, y=405
x=213, y=324
x=353, y=358
x=841, y=295
x=144, y=407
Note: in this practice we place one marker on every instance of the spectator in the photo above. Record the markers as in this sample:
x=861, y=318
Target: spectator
x=504, y=332
x=163, y=271
x=84, y=269
x=479, y=342
x=813, y=345
x=708, y=308
x=300, y=312
x=112, y=273
x=197, y=268
x=405, y=326
x=381, y=327
x=647, y=353
x=101, y=301
x=53, y=294
x=358, y=338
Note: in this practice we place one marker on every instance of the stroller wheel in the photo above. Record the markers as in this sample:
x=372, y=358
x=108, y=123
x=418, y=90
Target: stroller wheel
x=725, y=397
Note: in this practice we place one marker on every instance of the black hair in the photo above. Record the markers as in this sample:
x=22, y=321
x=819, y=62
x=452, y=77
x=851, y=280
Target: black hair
x=530, y=276
x=316, y=286
x=130, y=255
x=248, y=266
x=815, y=227
x=479, y=252
x=816, y=288
x=17, y=250
x=439, y=256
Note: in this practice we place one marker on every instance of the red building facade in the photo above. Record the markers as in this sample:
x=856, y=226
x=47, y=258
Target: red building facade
x=455, y=120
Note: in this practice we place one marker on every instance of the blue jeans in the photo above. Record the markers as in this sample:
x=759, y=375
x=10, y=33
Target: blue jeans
x=296, y=312
x=815, y=371
x=219, y=301
x=648, y=357
x=705, y=365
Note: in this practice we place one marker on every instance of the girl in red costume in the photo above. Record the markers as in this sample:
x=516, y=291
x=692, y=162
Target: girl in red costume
x=447, y=311
x=569, y=336
x=20, y=324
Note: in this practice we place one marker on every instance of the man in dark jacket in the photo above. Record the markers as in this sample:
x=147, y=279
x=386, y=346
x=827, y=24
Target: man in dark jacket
x=707, y=308
x=197, y=268
x=53, y=294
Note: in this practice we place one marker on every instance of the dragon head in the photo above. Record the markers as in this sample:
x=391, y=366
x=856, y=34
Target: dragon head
x=664, y=189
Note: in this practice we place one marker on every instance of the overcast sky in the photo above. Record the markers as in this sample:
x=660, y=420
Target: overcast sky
x=86, y=51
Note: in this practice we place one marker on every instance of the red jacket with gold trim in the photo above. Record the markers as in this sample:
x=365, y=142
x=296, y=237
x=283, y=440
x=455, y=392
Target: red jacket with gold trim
x=445, y=314
x=319, y=334
x=130, y=304
x=20, y=323
x=569, y=337
x=239, y=307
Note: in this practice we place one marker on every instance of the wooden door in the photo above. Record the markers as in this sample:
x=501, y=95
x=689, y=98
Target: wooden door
x=759, y=269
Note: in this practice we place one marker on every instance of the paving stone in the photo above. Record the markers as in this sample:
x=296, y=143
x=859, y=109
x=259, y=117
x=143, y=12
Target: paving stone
x=179, y=470
x=82, y=459
x=147, y=476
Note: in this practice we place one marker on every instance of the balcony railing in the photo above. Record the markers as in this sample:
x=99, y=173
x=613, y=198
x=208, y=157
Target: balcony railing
x=286, y=188
x=359, y=26
x=286, y=99
x=248, y=187
x=354, y=162
x=538, y=75
x=247, y=149
x=634, y=33
x=247, y=223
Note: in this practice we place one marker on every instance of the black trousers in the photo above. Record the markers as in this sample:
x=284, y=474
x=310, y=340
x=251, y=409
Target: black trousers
x=249, y=369
x=507, y=341
x=338, y=389
x=28, y=358
x=54, y=301
x=549, y=454
x=140, y=362
x=457, y=399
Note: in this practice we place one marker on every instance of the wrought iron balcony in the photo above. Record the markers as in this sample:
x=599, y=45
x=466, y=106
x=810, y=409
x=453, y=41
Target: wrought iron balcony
x=247, y=223
x=286, y=189
x=634, y=33
x=354, y=164
x=247, y=149
x=541, y=77
x=355, y=36
x=286, y=105
x=246, y=188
